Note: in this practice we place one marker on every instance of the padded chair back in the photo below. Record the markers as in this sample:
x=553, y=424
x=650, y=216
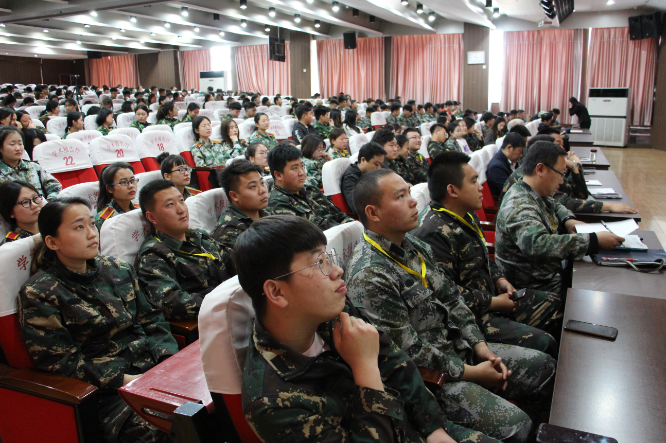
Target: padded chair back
x=210, y=113
x=216, y=133
x=277, y=111
x=34, y=111
x=476, y=162
x=184, y=141
x=370, y=135
x=533, y=126
x=421, y=194
x=425, y=128
x=181, y=114
x=152, y=117
x=205, y=209
x=84, y=137
x=181, y=106
x=499, y=142
x=52, y=137
x=478, y=126
x=56, y=125
x=152, y=144
x=112, y=149
x=492, y=148
x=423, y=150
x=66, y=160
x=90, y=123
x=246, y=129
x=377, y=120
x=181, y=126
x=125, y=120
x=331, y=177
x=16, y=258
x=121, y=236
x=214, y=105
x=88, y=191
x=132, y=133
x=153, y=107
x=287, y=117
x=263, y=109
x=145, y=178
x=356, y=141
x=25, y=156
x=344, y=238
x=37, y=123
x=278, y=129
x=157, y=128
x=289, y=125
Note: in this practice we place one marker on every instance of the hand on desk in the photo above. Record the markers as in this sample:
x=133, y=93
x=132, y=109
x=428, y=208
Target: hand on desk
x=608, y=240
x=571, y=225
x=618, y=208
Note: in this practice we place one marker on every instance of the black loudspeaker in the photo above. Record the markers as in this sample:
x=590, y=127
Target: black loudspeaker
x=350, y=40
x=651, y=25
x=635, y=32
x=94, y=54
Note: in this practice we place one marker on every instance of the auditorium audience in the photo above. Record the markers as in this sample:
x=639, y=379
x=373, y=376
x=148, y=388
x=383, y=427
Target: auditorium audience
x=498, y=130
x=439, y=134
x=304, y=126
x=338, y=140
x=167, y=114
x=370, y=157
x=322, y=121
x=74, y=123
x=117, y=189
x=33, y=137
x=261, y=134
x=314, y=154
x=175, y=168
x=192, y=112
x=20, y=204
x=504, y=161
x=141, y=121
x=52, y=110
x=105, y=121
x=350, y=124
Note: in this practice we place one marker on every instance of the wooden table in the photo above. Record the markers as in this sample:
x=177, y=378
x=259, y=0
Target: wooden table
x=583, y=151
x=587, y=275
x=608, y=180
x=584, y=138
x=613, y=388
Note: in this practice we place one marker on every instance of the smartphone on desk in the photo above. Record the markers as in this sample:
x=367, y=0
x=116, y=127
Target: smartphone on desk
x=557, y=434
x=591, y=329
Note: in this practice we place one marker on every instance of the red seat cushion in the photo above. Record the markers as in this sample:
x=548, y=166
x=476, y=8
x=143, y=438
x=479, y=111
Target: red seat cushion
x=71, y=178
x=150, y=164
x=138, y=167
x=12, y=344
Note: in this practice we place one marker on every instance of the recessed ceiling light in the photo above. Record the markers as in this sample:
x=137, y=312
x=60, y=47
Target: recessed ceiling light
x=431, y=17
x=271, y=12
x=184, y=11
x=152, y=34
x=2, y=25
x=243, y=23
x=113, y=38
x=122, y=30
x=297, y=18
x=196, y=29
x=45, y=30
x=496, y=12
x=35, y=55
x=132, y=19
x=610, y=2
x=336, y=6
x=405, y=2
x=93, y=13
x=167, y=24
x=309, y=1
x=86, y=26
x=78, y=42
x=221, y=33
x=317, y=23
x=267, y=28
x=243, y=4
x=419, y=8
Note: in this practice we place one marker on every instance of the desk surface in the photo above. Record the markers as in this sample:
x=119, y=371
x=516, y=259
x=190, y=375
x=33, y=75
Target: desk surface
x=608, y=179
x=584, y=137
x=588, y=275
x=585, y=151
x=616, y=389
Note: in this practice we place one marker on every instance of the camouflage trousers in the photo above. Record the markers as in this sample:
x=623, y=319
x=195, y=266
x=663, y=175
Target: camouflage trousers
x=529, y=325
x=530, y=385
x=464, y=435
x=121, y=425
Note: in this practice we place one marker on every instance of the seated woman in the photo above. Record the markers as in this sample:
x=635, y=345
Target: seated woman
x=338, y=147
x=230, y=140
x=314, y=157
x=497, y=131
x=52, y=110
x=208, y=98
x=350, y=124
x=20, y=204
x=206, y=152
x=278, y=101
x=8, y=117
x=32, y=137
x=167, y=114
x=175, y=168
x=9, y=101
x=454, y=142
x=262, y=123
x=192, y=112
x=74, y=123
x=117, y=189
x=152, y=98
x=473, y=136
x=336, y=117
x=141, y=121
x=85, y=316
x=105, y=121
x=24, y=119
x=13, y=167
x=126, y=107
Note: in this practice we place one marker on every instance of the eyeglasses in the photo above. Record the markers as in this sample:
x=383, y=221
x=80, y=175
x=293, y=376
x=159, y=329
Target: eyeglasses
x=183, y=170
x=37, y=199
x=561, y=173
x=262, y=153
x=125, y=183
x=325, y=261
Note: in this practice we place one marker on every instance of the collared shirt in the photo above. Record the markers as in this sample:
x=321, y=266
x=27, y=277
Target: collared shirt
x=473, y=142
x=190, y=192
x=169, y=121
x=266, y=139
x=498, y=171
x=411, y=122
x=140, y=126
x=436, y=148
x=323, y=131
x=308, y=203
x=232, y=223
x=47, y=185
x=174, y=277
x=111, y=210
x=399, y=165
x=392, y=119
x=15, y=234
x=211, y=153
x=432, y=324
x=418, y=167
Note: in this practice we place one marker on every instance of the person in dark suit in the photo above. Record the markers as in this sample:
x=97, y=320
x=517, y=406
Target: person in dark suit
x=502, y=164
x=579, y=110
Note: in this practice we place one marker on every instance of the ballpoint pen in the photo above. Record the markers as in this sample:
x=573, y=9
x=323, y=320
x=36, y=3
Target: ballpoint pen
x=607, y=228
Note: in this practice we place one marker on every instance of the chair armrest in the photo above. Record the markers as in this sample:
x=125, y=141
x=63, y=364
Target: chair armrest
x=491, y=209
x=488, y=226
x=183, y=327
x=432, y=376
x=43, y=384
x=490, y=247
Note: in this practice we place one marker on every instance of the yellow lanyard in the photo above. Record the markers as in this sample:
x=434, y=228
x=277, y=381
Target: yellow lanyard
x=211, y=256
x=474, y=228
x=552, y=221
x=411, y=271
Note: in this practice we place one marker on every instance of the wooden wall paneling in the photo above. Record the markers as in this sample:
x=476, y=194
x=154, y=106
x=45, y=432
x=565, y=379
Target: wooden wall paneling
x=583, y=75
x=475, y=77
x=20, y=70
x=388, y=52
x=159, y=69
x=299, y=53
x=658, y=132
x=52, y=69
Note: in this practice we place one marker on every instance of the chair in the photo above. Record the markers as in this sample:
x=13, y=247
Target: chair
x=84, y=136
x=153, y=107
x=35, y=403
x=145, y=178
x=289, y=125
x=151, y=144
x=132, y=133
x=421, y=195
x=34, y=111
x=114, y=148
x=56, y=125
x=263, y=109
x=287, y=117
x=425, y=128
x=122, y=236
x=278, y=129
x=152, y=117
x=66, y=160
x=533, y=126
x=90, y=123
x=214, y=105
x=246, y=129
x=206, y=208
x=499, y=141
x=37, y=123
x=125, y=120
x=210, y=113
x=331, y=177
x=87, y=191
x=370, y=135
x=356, y=141
x=277, y=111
x=157, y=128
x=184, y=141
x=181, y=114
x=182, y=126
x=52, y=137
x=423, y=150
x=216, y=123
x=181, y=106
x=344, y=238
x=216, y=133
x=477, y=163
x=239, y=121
x=377, y=120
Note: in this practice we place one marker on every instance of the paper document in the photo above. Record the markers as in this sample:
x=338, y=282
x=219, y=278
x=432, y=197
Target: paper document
x=633, y=242
x=576, y=131
x=593, y=183
x=604, y=191
x=585, y=159
x=621, y=228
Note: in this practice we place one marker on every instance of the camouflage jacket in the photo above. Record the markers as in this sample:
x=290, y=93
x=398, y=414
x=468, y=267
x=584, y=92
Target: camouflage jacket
x=104, y=130
x=109, y=211
x=484, y=130
x=392, y=119
x=308, y=203
x=571, y=194
x=47, y=185
x=140, y=126
x=323, y=131
x=324, y=403
x=411, y=122
x=399, y=165
x=452, y=145
x=313, y=169
x=432, y=324
x=528, y=248
x=169, y=121
x=232, y=223
x=15, y=234
x=174, y=278
x=96, y=327
x=210, y=154
x=334, y=153
x=462, y=255
x=473, y=142
x=187, y=119
x=435, y=148
x=267, y=139
x=44, y=119
x=190, y=192
x=418, y=168
x=364, y=123
x=227, y=117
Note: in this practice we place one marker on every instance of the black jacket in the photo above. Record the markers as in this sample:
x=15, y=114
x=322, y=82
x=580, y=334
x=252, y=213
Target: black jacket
x=300, y=131
x=350, y=177
x=583, y=116
x=498, y=172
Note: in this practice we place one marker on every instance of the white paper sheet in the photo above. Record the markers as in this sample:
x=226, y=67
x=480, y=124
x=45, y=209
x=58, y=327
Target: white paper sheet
x=593, y=183
x=603, y=191
x=621, y=228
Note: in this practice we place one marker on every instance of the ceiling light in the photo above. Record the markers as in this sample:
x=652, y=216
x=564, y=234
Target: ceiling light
x=243, y=23
x=317, y=23
x=113, y=38
x=267, y=28
x=152, y=34
x=221, y=33
x=196, y=29
x=431, y=17
x=419, y=8
x=496, y=12
x=372, y=19
x=78, y=42
x=297, y=18
x=336, y=6
x=142, y=41
x=2, y=25
x=489, y=3
x=184, y=11
x=35, y=55
x=132, y=19
x=309, y=1
x=93, y=13
x=45, y=30
x=86, y=26
x=355, y=12
x=271, y=12
x=243, y=4
x=167, y=24
x=122, y=30
x=610, y=2
x=405, y=2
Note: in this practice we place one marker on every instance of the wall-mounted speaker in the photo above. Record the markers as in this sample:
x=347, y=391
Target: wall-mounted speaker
x=651, y=25
x=350, y=40
x=94, y=54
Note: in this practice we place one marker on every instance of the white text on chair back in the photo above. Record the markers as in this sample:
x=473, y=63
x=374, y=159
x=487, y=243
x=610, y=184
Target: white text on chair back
x=84, y=136
x=132, y=133
x=157, y=128
x=56, y=125
x=356, y=141
x=152, y=144
x=63, y=155
x=278, y=129
x=121, y=236
x=111, y=149
x=125, y=120
x=52, y=137
x=16, y=259
x=344, y=238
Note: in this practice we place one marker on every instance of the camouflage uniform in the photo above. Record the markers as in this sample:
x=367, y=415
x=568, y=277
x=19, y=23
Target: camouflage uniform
x=334, y=153
x=169, y=121
x=473, y=142
x=232, y=223
x=463, y=256
x=452, y=145
x=67, y=132
x=210, y=154
x=392, y=119
x=267, y=140
x=313, y=169
x=104, y=130
x=309, y=203
x=140, y=126
x=96, y=327
x=47, y=185
x=323, y=131
x=187, y=119
x=437, y=330
x=435, y=148
x=44, y=119
x=175, y=277
x=15, y=234
x=484, y=130
x=418, y=167
x=364, y=123
x=325, y=404
x=411, y=122
x=236, y=149
x=528, y=248
x=110, y=211
x=227, y=117
x=190, y=192
x=400, y=167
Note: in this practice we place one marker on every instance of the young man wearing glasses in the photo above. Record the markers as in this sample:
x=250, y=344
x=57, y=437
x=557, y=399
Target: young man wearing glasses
x=418, y=166
x=315, y=370
x=177, y=266
x=535, y=233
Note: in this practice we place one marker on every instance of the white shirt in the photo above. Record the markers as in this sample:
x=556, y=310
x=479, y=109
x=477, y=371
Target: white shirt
x=318, y=347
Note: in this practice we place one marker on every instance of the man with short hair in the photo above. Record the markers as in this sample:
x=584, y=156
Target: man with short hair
x=555, y=123
x=392, y=118
x=399, y=163
x=503, y=162
x=534, y=233
x=418, y=166
x=291, y=195
x=512, y=114
x=177, y=266
x=370, y=157
x=234, y=111
x=385, y=138
x=250, y=110
x=395, y=280
x=343, y=378
x=248, y=197
x=304, y=126
x=452, y=229
x=114, y=93
x=438, y=136
x=408, y=119
x=107, y=103
x=322, y=121
x=430, y=114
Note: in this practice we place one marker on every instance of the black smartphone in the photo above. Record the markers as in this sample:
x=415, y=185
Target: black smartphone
x=557, y=434
x=591, y=329
x=517, y=295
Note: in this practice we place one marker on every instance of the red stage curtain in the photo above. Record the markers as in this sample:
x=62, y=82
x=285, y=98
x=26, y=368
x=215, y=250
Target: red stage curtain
x=258, y=74
x=279, y=76
x=192, y=62
x=118, y=69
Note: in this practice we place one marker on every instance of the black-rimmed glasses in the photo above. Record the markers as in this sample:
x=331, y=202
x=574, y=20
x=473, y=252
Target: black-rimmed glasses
x=37, y=199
